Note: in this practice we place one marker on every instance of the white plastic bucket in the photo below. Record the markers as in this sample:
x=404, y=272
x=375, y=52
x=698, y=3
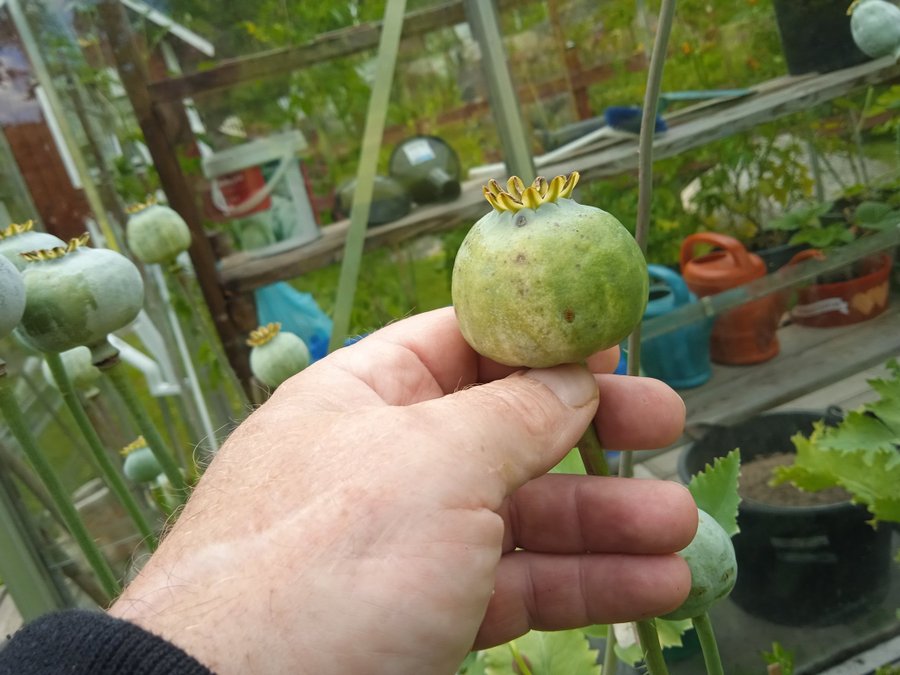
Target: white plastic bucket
x=240, y=189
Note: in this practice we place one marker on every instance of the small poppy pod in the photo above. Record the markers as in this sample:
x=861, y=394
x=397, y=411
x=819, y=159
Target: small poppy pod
x=275, y=356
x=22, y=237
x=156, y=233
x=140, y=464
x=875, y=27
x=542, y=280
x=76, y=295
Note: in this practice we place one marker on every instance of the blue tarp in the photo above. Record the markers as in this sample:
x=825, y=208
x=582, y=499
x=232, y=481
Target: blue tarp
x=297, y=312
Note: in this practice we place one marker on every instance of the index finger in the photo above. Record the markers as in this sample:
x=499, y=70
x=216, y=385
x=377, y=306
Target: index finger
x=435, y=339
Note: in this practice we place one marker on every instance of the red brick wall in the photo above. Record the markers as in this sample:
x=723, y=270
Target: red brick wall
x=61, y=208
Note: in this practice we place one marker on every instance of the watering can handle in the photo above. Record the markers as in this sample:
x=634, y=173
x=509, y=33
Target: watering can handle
x=673, y=280
x=729, y=244
x=806, y=254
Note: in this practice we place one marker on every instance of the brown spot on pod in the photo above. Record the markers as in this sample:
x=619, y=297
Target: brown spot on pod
x=521, y=257
x=521, y=220
x=569, y=315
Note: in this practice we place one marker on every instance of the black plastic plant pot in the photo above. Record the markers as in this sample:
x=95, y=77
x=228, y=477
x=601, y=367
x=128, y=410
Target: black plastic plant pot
x=428, y=168
x=815, y=36
x=797, y=565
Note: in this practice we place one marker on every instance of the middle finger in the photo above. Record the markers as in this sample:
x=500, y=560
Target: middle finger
x=559, y=513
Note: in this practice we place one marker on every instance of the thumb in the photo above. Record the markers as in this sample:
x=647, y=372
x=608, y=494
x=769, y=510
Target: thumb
x=508, y=431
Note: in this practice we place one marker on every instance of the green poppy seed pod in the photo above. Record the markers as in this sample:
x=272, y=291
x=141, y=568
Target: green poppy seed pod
x=21, y=237
x=12, y=297
x=80, y=368
x=140, y=464
x=710, y=557
x=875, y=27
x=543, y=280
x=276, y=356
x=75, y=295
x=156, y=233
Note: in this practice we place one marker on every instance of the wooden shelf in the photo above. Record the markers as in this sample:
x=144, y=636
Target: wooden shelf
x=810, y=358
x=693, y=127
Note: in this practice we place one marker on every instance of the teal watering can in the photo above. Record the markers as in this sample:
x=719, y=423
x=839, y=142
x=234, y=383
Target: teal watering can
x=679, y=358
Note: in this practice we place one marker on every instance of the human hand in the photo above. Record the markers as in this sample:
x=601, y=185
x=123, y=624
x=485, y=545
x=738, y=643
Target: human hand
x=380, y=514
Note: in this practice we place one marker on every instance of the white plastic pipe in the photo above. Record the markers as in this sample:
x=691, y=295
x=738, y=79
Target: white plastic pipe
x=184, y=353
x=148, y=367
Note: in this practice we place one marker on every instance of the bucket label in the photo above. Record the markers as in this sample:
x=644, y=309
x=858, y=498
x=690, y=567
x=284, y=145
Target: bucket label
x=418, y=151
x=233, y=193
x=821, y=307
x=865, y=302
x=813, y=549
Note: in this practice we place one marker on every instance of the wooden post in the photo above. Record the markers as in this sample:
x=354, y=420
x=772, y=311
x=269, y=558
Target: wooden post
x=569, y=56
x=156, y=122
x=485, y=25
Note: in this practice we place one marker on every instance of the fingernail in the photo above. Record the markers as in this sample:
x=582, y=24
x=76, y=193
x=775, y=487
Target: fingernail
x=572, y=384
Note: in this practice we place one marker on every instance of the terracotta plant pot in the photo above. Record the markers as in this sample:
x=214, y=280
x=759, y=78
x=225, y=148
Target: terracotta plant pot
x=842, y=303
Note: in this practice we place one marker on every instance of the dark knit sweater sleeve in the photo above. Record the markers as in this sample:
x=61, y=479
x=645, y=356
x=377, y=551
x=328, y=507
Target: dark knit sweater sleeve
x=81, y=642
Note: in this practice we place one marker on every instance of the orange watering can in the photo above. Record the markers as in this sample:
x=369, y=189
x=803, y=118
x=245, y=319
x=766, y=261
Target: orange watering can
x=745, y=334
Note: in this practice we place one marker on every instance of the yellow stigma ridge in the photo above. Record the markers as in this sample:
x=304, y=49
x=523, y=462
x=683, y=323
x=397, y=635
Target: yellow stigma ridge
x=140, y=206
x=58, y=251
x=263, y=334
x=16, y=228
x=516, y=196
x=852, y=7
x=136, y=444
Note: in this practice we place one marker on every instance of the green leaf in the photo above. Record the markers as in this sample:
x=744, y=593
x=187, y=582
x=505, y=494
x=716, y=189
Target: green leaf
x=806, y=216
x=823, y=237
x=782, y=657
x=599, y=630
x=571, y=463
x=632, y=654
x=566, y=651
x=876, y=215
x=860, y=430
x=473, y=665
x=860, y=454
x=715, y=489
x=671, y=632
x=871, y=210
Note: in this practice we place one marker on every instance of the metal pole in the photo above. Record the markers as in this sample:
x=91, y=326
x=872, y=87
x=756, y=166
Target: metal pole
x=24, y=573
x=482, y=16
x=185, y=354
x=368, y=164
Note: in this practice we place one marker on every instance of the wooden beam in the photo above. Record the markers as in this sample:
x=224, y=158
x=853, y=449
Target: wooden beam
x=324, y=47
x=153, y=120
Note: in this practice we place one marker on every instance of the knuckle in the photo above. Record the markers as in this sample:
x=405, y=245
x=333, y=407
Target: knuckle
x=526, y=404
